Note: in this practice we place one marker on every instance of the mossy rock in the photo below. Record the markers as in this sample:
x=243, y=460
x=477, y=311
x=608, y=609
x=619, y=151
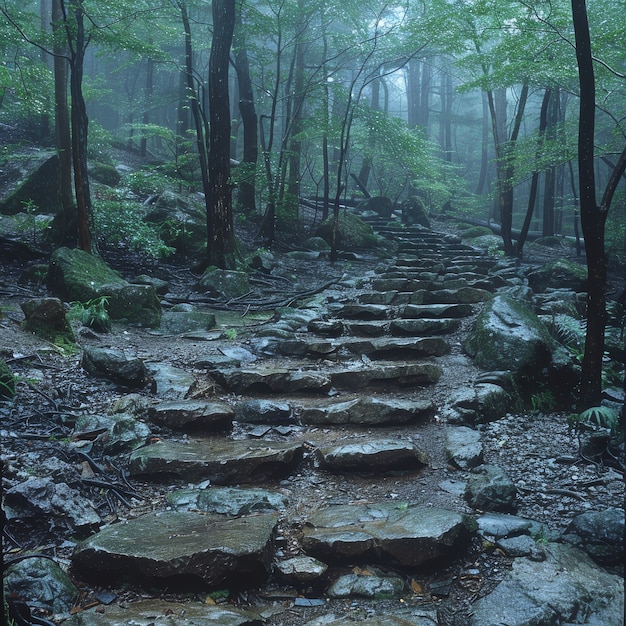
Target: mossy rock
x=507, y=335
x=352, y=232
x=221, y=283
x=79, y=276
x=559, y=274
x=45, y=317
x=7, y=381
x=476, y=231
x=105, y=174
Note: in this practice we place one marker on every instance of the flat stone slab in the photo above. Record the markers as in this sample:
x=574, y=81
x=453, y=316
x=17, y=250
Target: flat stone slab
x=160, y=547
x=222, y=462
x=363, y=311
x=367, y=411
x=424, y=326
x=383, y=533
x=161, y=613
x=231, y=501
x=193, y=414
x=437, y=311
x=403, y=375
x=271, y=380
x=464, y=447
x=374, y=348
x=372, y=456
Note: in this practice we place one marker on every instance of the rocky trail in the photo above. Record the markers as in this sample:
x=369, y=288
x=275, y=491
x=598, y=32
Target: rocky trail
x=335, y=459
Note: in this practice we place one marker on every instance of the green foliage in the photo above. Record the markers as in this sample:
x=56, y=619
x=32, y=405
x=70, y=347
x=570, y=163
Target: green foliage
x=148, y=182
x=32, y=222
x=542, y=402
x=100, y=141
x=92, y=313
x=120, y=221
x=596, y=418
x=568, y=331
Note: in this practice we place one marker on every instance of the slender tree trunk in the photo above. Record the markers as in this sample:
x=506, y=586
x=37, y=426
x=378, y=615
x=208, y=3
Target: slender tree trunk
x=221, y=248
x=506, y=167
x=79, y=125
x=532, y=196
x=550, y=174
x=484, y=151
x=63, y=136
x=593, y=217
x=148, y=103
x=366, y=166
x=193, y=101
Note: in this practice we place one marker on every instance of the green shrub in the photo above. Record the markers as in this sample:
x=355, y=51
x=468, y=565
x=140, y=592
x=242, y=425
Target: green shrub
x=120, y=221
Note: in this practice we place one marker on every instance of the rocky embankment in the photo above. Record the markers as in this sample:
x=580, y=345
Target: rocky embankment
x=340, y=461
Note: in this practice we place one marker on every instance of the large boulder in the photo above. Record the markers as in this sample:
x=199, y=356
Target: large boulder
x=559, y=274
x=508, y=335
x=38, y=182
x=46, y=318
x=381, y=205
x=352, y=232
x=79, y=276
x=414, y=212
x=223, y=284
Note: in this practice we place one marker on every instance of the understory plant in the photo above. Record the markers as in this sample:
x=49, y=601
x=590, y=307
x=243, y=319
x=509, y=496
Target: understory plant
x=92, y=313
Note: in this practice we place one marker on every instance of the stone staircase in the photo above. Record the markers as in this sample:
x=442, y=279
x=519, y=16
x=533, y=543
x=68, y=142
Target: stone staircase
x=327, y=404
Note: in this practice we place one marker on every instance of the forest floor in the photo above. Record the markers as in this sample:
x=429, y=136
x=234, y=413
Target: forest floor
x=538, y=450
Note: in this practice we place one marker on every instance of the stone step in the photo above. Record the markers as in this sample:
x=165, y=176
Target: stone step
x=357, y=375
x=222, y=461
x=375, y=348
x=377, y=328
x=170, y=546
x=366, y=411
x=436, y=311
x=371, y=455
x=384, y=533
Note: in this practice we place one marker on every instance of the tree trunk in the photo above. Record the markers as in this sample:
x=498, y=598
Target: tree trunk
x=593, y=218
x=221, y=248
x=532, y=196
x=67, y=214
x=147, y=104
x=550, y=175
x=79, y=125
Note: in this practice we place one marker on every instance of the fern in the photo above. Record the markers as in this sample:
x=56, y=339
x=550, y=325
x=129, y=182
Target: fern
x=568, y=331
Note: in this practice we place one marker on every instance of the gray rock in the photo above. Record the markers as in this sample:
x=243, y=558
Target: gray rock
x=416, y=327
x=224, y=284
x=483, y=402
x=7, y=381
x=498, y=525
x=463, y=295
x=198, y=414
x=136, y=304
x=368, y=583
x=171, y=383
x=435, y=311
x=600, y=534
x=115, y=365
x=399, y=617
x=44, y=497
x=522, y=545
x=271, y=379
x=371, y=455
x=161, y=613
x=227, y=500
x=37, y=181
x=464, y=447
x=300, y=569
x=222, y=462
x=566, y=587
x=40, y=583
x=263, y=412
x=175, y=322
x=160, y=286
x=363, y=311
x=384, y=533
x=368, y=411
x=46, y=317
x=490, y=489
x=560, y=274
x=508, y=335
x=124, y=431
x=160, y=547
x=403, y=375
